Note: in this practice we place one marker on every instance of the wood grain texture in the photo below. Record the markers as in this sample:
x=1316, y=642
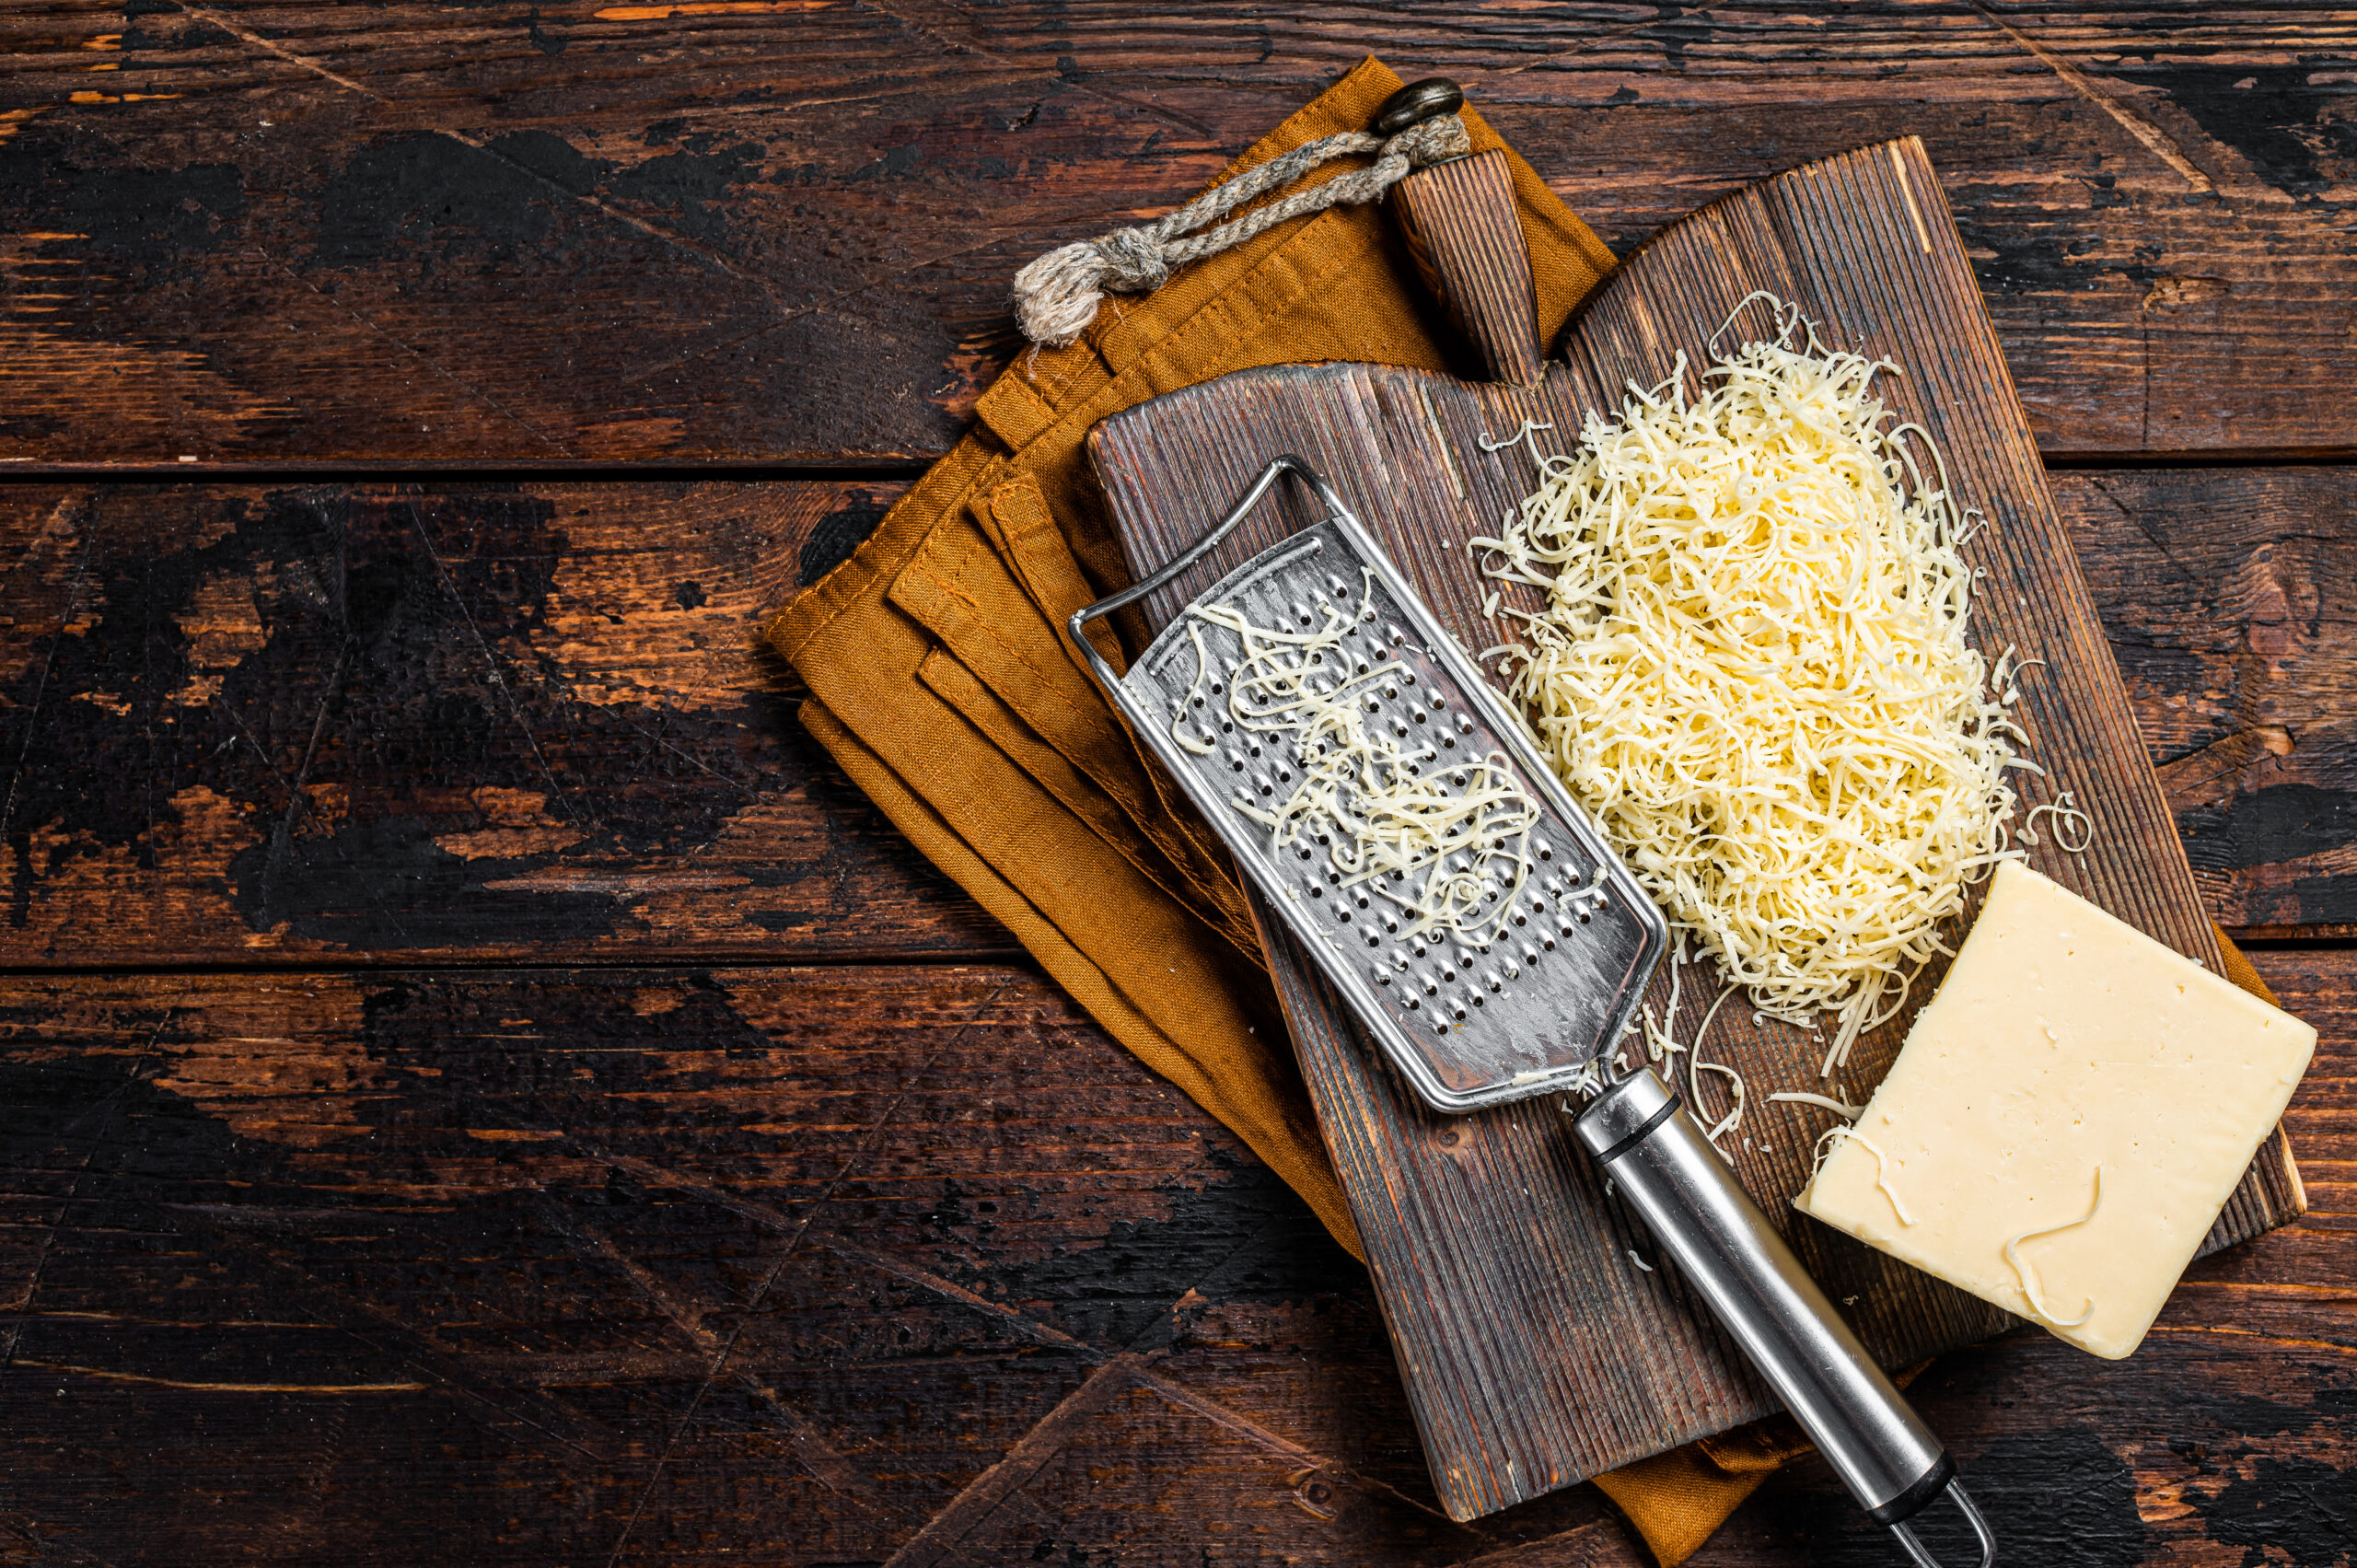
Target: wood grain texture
x=278, y=231
x=479, y=720
x=826, y=1265
x=153, y=625
x=2239, y=647
x=1537, y=1353
x=1466, y=240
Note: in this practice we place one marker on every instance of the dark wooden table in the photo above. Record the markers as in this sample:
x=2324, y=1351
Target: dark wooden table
x=479, y=1086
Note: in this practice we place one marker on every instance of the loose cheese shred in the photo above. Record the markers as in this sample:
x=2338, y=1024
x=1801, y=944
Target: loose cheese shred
x=1839, y=1108
x=2027, y=1274
x=1695, y=1066
x=1445, y=845
x=1516, y=439
x=1882, y=1167
x=2068, y=821
x=1752, y=669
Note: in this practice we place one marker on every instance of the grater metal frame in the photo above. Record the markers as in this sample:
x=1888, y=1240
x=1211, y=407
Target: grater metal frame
x=1612, y=886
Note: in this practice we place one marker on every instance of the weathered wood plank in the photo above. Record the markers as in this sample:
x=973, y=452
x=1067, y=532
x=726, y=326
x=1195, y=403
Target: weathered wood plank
x=165, y=641
x=269, y=231
x=458, y=1253
x=487, y=720
x=2230, y=601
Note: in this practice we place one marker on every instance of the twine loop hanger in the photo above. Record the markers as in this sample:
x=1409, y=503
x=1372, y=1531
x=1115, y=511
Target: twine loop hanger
x=1056, y=296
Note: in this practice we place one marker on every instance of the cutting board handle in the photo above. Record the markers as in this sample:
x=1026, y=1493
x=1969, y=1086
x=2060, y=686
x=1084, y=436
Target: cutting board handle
x=1465, y=237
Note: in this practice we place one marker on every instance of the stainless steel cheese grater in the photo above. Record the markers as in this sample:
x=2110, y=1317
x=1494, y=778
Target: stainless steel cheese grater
x=1539, y=975
x=1554, y=940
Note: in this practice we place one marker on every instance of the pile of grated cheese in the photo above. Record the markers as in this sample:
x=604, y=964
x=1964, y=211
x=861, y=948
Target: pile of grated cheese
x=1753, y=669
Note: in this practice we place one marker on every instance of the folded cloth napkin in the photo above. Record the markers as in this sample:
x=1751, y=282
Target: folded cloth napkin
x=941, y=683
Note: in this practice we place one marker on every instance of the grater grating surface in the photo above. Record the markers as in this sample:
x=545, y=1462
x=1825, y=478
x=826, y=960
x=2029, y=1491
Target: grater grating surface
x=1546, y=941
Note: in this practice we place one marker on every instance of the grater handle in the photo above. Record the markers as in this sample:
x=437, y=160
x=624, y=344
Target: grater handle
x=1464, y=235
x=1728, y=1253
x=1163, y=575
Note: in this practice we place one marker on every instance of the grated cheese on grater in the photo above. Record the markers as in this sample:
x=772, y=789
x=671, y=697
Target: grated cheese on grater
x=1753, y=669
x=1444, y=843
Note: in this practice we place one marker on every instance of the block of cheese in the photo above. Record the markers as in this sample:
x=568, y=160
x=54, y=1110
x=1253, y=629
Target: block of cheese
x=2068, y=1115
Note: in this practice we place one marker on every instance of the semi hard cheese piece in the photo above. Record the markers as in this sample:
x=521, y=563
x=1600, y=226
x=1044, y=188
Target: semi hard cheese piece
x=2067, y=1118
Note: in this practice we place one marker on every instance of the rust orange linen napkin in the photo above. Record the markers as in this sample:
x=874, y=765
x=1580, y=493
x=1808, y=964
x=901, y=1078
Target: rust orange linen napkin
x=940, y=680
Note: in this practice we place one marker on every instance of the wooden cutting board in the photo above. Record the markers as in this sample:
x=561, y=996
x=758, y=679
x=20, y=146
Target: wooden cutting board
x=1535, y=1352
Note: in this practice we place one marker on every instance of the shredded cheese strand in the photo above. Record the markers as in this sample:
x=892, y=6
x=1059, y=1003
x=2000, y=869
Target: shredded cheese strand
x=2028, y=1272
x=1444, y=846
x=2068, y=818
x=1752, y=669
x=1882, y=1170
x=1516, y=439
x=1695, y=1064
x=1827, y=1102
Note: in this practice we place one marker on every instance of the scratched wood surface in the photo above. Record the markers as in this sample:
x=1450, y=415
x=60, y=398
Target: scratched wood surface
x=870, y=1249
x=867, y=1263
x=270, y=231
x=274, y=722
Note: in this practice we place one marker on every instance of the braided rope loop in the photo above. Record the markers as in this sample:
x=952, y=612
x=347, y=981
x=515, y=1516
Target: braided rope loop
x=1056, y=296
